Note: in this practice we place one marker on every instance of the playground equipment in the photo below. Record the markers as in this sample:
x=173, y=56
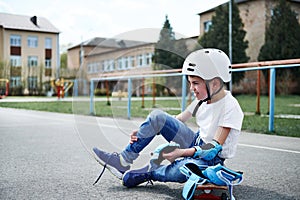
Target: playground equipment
x=61, y=86
x=4, y=87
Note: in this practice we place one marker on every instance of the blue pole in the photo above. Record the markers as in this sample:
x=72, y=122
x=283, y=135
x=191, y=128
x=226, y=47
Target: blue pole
x=183, y=98
x=92, y=97
x=129, y=99
x=272, y=99
x=75, y=88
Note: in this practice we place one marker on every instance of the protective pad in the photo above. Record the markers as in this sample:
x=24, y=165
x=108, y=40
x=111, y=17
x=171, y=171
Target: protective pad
x=208, y=154
x=163, y=148
x=200, y=174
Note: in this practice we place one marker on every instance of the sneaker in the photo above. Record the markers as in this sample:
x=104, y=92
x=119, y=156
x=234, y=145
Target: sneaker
x=133, y=178
x=112, y=162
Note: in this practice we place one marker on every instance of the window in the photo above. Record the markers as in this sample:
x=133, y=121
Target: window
x=81, y=55
x=140, y=60
x=32, y=61
x=98, y=64
x=48, y=63
x=32, y=41
x=126, y=63
x=89, y=68
x=32, y=82
x=15, y=81
x=15, y=40
x=111, y=65
x=207, y=26
x=106, y=66
x=15, y=61
x=120, y=64
x=131, y=62
x=48, y=43
x=148, y=59
x=93, y=67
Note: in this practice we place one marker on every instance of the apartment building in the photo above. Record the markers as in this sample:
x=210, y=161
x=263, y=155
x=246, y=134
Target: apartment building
x=256, y=15
x=99, y=57
x=102, y=57
x=29, y=53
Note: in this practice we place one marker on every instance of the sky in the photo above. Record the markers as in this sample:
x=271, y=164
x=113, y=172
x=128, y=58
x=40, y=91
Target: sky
x=80, y=20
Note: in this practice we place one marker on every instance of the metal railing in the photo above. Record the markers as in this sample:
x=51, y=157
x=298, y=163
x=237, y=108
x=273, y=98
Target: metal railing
x=270, y=65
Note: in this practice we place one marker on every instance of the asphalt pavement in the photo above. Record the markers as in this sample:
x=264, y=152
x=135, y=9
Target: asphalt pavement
x=48, y=156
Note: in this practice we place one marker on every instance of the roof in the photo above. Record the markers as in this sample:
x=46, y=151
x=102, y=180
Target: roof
x=27, y=23
x=238, y=1
x=211, y=9
x=110, y=42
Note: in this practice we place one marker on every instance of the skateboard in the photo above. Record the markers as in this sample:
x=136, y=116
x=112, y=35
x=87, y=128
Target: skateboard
x=210, y=191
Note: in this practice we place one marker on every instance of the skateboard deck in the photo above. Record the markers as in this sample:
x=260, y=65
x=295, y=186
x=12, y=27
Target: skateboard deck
x=211, y=192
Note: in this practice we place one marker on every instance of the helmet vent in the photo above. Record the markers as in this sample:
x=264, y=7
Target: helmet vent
x=190, y=69
x=192, y=64
x=206, y=51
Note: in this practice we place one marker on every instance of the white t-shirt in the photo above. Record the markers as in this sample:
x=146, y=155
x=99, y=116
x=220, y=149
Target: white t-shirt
x=225, y=113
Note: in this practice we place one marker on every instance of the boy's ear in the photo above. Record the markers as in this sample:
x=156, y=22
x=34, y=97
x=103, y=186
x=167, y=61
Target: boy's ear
x=217, y=82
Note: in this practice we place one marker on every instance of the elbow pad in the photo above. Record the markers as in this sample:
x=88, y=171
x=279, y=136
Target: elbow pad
x=207, y=151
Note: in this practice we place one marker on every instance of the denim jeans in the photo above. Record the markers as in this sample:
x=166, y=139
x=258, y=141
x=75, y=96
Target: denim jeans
x=159, y=122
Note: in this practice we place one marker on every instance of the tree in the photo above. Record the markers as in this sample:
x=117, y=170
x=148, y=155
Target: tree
x=218, y=36
x=169, y=53
x=64, y=60
x=282, y=41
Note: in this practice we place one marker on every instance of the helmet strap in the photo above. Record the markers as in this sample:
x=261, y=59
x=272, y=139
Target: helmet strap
x=216, y=92
x=208, y=91
x=201, y=101
x=209, y=96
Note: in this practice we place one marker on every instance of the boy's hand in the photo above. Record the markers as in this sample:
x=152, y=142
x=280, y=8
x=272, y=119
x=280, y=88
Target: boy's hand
x=133, y=137
x=207, y=151
x=172, y=156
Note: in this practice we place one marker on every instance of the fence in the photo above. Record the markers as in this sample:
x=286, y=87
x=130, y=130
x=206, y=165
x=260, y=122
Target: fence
x=271, y=65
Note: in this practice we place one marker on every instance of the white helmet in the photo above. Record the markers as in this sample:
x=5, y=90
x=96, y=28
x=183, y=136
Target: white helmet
x=208, y=64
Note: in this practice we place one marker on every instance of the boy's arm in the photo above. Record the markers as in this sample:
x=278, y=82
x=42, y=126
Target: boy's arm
x=184, y=116
x=221, y=134
x=210, y=150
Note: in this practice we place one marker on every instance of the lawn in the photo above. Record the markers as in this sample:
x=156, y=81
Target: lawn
x=252, y=122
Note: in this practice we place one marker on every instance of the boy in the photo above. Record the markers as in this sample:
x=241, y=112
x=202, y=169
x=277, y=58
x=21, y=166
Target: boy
x=218, y=116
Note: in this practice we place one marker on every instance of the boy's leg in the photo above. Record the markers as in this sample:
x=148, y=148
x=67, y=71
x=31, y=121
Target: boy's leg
x=165, y=173
x=159, y=122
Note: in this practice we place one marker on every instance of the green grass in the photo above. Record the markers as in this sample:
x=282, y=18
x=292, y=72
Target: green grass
x=260, y=123
x=60, y=107
x=252, y=123
x=283, y=104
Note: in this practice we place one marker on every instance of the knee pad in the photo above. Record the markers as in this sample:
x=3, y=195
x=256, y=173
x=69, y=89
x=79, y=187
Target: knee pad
x=201, y=174
x=156, y=156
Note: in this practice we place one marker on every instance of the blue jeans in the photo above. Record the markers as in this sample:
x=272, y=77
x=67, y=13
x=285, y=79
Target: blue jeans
x=159, y=122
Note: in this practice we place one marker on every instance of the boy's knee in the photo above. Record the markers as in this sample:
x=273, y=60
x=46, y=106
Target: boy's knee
x=157, y=119
x=157, y=115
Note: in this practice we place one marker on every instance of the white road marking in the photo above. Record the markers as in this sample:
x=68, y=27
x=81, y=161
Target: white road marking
x=269, y=148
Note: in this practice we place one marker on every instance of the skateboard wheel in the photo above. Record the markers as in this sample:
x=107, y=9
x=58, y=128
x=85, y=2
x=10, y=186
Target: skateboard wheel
x=207, y=191
x=224, y=196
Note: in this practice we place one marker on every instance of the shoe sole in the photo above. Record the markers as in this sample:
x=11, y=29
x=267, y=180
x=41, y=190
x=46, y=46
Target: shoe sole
x=111, y=169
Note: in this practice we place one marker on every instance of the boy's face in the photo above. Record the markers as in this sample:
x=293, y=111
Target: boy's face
x=198, y=86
